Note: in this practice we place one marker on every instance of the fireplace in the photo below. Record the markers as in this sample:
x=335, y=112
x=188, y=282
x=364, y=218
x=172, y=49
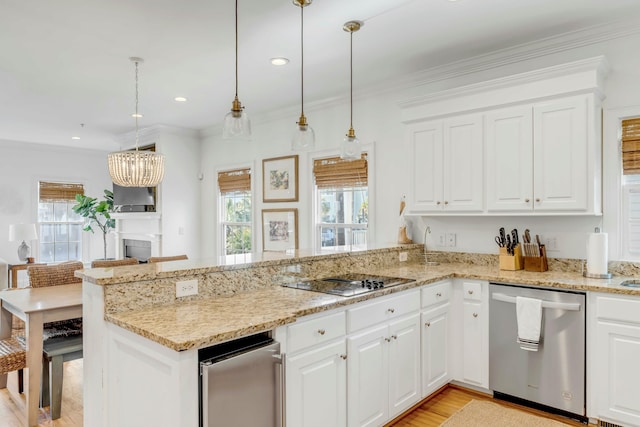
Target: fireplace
x=138, y=234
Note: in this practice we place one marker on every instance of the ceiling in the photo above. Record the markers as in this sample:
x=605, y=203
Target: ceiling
x=65, y=63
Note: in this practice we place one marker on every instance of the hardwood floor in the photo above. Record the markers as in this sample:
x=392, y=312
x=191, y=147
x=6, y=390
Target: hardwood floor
x=449, y=400
x=430, y=413
x=12, y=403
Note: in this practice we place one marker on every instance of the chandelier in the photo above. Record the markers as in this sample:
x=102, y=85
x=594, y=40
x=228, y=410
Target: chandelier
x=135, y=168
x=350, y=148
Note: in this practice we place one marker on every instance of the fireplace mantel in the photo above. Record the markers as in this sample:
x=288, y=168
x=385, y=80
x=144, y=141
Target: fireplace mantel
x=145, y=226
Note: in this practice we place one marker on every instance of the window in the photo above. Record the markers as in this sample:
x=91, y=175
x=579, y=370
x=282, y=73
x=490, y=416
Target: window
x=235, y=215
x=631, y=185
x=60, y=228
x=342, y=202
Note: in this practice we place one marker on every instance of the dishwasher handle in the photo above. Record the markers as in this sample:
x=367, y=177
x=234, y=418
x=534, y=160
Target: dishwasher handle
x=570, y=306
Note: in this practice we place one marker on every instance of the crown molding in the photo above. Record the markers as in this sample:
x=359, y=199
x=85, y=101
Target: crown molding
x=150, y=134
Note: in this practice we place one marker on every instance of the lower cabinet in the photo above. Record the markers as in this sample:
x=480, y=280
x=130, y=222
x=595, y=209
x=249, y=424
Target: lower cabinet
x=435, y=346
x=616, y=364
x=383, y=371
x=316, y=386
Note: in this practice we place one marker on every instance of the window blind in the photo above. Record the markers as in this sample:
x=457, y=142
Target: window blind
x=333, y=172
x=631, y=146
x=59, y=191
x=234, y=180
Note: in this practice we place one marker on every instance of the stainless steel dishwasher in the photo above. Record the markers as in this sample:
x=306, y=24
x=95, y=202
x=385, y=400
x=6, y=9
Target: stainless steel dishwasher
x=241, y=383
x=552, y=377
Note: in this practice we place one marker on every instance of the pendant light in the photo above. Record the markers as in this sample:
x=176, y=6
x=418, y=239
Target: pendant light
x=236, y=123
x=135, y=168
x=304, y=137
x=350, y=148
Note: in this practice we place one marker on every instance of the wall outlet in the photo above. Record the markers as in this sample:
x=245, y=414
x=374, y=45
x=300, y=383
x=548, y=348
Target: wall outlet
x=186, y=288
x=451, y=240
x=550, y=242
x=403, y=256
x=441, y=240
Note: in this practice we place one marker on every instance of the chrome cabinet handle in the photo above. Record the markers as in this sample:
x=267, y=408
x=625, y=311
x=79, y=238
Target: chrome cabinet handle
x=395, y=337
x=427, y=324
x=475, y=314
x=446, y=203
x=537, y=200
x=438, y=202
x=321, y=331
x=439, y=294
x=391, y=310
x=343, y=356
x=470, y=292
x=526, y=200
x=387, y=339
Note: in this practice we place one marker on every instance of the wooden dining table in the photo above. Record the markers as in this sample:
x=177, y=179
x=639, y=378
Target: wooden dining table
x=37, y=306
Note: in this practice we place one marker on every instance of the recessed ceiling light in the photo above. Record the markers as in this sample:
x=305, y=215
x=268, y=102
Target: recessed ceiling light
x=279, y=61
x=75, y=137
x=138, y=115
x=180, y=99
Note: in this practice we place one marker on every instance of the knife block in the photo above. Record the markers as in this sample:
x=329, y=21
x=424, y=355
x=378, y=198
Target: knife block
x=511, y=262
x=539, y=263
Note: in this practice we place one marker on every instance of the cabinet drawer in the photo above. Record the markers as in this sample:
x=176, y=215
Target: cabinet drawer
x=315, y=331
x=389, y=308
x=435, y=294
x=625, y=310
x=472, y=290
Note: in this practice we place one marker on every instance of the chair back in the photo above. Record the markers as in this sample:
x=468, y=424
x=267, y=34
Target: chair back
x=55, y=274
x=102, y=263
x=167, y=258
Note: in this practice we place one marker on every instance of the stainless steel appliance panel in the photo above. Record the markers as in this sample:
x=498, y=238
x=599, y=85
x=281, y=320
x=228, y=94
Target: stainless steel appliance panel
x=242, y=389
x=555, y=374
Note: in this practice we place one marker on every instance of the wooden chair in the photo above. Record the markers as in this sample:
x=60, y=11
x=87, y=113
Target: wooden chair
x=167, y=258
x=104, y=263
x=62, y=340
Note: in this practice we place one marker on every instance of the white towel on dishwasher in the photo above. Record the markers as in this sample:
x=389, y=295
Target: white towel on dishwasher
x=529, y=318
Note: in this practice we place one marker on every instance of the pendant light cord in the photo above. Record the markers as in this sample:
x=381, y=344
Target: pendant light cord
x=302, y=58
x=236, y=48
x=351, y=78
x=136, y=114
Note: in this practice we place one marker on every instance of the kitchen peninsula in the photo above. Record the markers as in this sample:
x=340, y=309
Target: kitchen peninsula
x=142, y=341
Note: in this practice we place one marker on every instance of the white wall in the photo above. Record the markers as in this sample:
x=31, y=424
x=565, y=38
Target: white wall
x=23, y=165
x=377, y=118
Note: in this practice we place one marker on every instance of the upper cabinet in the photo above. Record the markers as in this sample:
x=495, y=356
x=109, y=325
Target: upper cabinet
x=447, y=164
x=532, y=145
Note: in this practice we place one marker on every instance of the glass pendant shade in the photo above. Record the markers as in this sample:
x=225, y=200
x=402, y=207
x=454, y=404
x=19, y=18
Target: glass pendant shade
x=304, y=138
x=136, y=168
x=236, y=126
x=350, y=148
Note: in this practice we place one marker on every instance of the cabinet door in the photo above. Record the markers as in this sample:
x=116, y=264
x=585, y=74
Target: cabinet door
x=426, y=165
x=404, y=364
x=367, y=377
x=618, y=373
x=509, y=163
x=435, y=345
x=463, y=164
x=316, y=387
x=474, y=350
x=560, y=155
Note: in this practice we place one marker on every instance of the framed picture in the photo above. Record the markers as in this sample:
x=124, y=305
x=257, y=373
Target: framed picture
x=279, y=229
x=280, y=179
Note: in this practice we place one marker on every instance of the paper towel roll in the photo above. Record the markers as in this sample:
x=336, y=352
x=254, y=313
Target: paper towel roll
x=597, y=258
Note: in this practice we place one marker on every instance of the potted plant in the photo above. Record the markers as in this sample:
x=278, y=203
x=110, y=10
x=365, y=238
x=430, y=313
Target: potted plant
x=98, y=213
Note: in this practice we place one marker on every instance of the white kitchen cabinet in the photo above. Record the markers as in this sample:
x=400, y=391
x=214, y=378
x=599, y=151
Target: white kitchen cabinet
x=615, y=367
x=447, y=166
x=404, y=364
x=316, y=387
x=470, y=324
x=436, y=333
x=544, y=157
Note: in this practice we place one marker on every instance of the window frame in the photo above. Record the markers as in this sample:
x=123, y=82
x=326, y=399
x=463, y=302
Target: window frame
x=316, y=225
x=221, y=241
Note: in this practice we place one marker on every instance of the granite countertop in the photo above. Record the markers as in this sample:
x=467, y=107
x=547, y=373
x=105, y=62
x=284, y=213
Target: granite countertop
x=203, y=322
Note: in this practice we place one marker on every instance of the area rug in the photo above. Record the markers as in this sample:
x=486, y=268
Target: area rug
x=479, y=413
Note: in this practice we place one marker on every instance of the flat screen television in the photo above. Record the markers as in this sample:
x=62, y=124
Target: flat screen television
x=134, y=199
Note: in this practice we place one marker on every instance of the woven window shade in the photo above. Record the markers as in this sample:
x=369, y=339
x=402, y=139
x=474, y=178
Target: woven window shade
x=59, y=192
x=234, y=180
x=334, y=172
x=631, y=146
